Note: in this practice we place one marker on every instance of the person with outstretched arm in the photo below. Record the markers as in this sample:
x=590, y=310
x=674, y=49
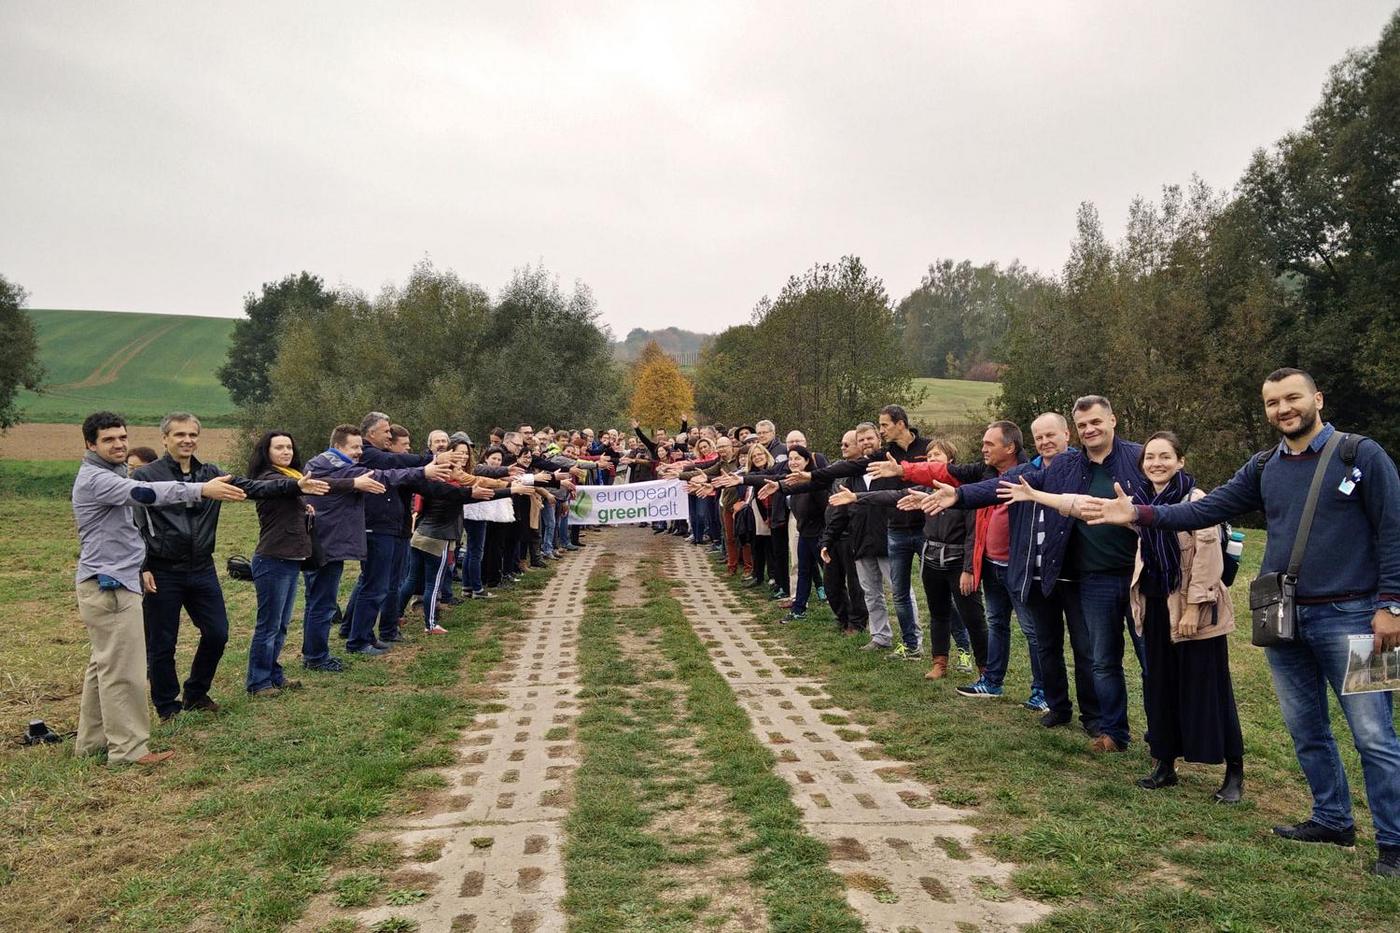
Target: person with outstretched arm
x=1348, y=584
x=113, y=715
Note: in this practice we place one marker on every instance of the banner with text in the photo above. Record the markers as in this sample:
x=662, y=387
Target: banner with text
x=662, y=500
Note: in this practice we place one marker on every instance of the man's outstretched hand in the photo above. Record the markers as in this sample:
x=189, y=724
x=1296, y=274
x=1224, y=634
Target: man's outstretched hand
x=222, y=489
x=889, y=468
x=1116, y=511
x=310, y=486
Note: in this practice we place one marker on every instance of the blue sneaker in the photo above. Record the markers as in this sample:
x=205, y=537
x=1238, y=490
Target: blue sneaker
x=979, y=688
x=1037, y=702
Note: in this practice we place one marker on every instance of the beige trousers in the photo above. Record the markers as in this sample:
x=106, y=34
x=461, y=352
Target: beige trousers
x=114, y=714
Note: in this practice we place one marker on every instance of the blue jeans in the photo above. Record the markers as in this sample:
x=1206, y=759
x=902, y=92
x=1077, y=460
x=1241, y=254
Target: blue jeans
x=548, y=520
x=322, y=591
x=903, y=545
x=475, y=535
x=809, y=561
x=375, y=571
x=1001, y=601
x=1053, y=616
x=275, y=581
x=413, y=578
x=1302, y=672
x=1103, y=600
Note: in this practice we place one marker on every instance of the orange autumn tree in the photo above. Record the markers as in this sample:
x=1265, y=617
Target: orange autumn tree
x=660, y=391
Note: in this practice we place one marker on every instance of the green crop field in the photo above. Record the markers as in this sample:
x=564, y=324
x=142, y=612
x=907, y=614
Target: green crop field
x=953, y=401
x=141, y=365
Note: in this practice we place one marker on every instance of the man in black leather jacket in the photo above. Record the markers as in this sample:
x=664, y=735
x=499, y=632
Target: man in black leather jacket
x=179, y=568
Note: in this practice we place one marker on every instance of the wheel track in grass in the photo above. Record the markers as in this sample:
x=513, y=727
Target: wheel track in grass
x=909, y=862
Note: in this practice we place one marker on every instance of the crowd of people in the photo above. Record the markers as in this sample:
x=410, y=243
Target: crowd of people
x=1084, y=540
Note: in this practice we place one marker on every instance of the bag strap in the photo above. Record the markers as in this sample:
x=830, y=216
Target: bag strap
x=1300, y=543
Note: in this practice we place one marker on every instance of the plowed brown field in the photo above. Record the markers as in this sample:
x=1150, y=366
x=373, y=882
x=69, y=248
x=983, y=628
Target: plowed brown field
x=65, y=442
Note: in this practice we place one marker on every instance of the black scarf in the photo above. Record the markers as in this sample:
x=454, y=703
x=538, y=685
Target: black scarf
x=1161, y=553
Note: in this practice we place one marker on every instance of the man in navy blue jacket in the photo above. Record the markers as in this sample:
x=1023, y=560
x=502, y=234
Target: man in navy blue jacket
x=340, y=529
x=1348, y=585
x=1095, y=568
x=384, y=523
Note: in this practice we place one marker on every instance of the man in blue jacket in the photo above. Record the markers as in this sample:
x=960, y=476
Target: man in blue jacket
x=341, y=531
x=384, y=526
x=1348, y=585
x=1095, y=568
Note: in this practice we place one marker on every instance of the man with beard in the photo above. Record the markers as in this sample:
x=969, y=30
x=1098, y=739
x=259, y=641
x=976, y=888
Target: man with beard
x=1348, y=585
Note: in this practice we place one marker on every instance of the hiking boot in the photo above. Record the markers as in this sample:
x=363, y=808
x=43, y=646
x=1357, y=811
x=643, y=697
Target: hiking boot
x=1308, y=831
x=979, y=689
x=939, y=669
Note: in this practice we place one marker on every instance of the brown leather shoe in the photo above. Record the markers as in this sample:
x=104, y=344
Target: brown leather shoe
x=154, y=758
x=1105, y=743
x=939, y=669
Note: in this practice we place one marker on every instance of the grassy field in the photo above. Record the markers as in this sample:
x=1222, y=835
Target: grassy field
x=262, y=804
x=953, y=401
x=141, y=365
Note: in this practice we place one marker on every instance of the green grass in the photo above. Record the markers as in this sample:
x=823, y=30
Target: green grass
x=261, y=804
x=953, y=402
x=154, y=361
x=660, y=728
x=1108, y=855
x=37, y=479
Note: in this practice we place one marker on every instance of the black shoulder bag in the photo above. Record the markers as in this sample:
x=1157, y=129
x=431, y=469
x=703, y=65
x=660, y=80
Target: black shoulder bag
x=317, y=558
x=1272, y=596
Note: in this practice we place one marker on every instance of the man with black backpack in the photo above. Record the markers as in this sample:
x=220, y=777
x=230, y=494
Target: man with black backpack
x=1331, y=571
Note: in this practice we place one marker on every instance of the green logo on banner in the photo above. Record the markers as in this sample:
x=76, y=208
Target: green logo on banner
x=583, y=505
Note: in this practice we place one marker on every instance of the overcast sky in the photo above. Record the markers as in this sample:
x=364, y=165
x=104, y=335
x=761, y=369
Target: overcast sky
x=682, y=160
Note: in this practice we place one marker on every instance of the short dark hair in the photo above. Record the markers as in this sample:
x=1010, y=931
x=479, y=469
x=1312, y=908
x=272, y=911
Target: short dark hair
x=261, y=459
x=1283, y=373
x=1086, y=402
x=896, y=413
x=398, y=430
x=144, y=454
x=343, y=432
x=1010, y=432
x=100, y=421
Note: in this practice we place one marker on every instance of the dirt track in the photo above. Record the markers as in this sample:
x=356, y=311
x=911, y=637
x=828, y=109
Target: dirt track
x=65, y=442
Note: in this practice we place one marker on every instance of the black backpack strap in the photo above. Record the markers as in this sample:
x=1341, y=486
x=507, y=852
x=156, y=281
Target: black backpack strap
x=1259, y=460
x=1347, y=448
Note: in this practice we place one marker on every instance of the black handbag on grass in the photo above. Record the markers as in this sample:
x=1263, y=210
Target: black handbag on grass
x=1273, y=596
